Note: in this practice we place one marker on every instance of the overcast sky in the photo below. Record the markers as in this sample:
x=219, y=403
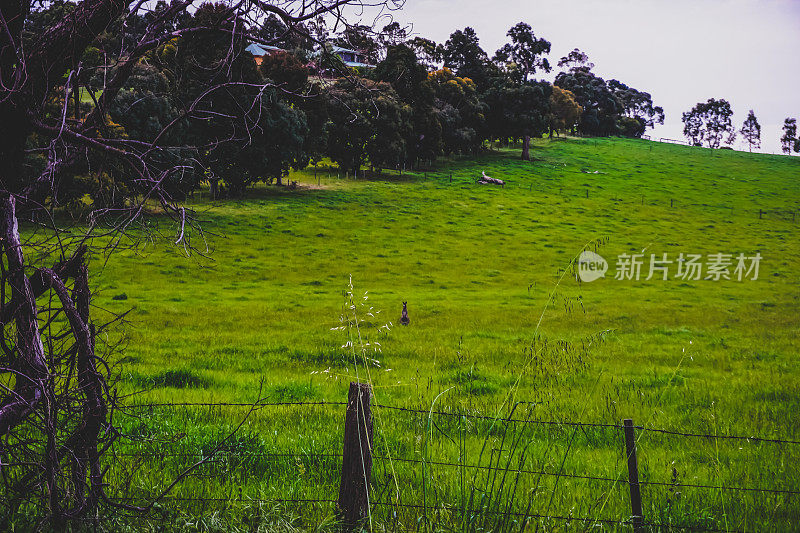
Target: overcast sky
x=680, y=51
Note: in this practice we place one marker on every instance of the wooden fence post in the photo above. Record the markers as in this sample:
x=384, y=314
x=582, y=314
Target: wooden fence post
x=357, y=456
x=633, y=476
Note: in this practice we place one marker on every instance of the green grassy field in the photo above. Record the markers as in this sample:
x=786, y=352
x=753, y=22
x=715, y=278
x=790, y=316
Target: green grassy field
x=495, y=320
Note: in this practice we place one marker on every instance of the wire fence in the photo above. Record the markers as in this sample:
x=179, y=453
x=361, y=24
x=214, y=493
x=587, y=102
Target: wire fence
x=391, y=462
x=674, y=201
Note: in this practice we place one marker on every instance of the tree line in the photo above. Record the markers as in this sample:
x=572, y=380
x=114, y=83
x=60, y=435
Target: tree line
x=301, y=104
x=710, y=123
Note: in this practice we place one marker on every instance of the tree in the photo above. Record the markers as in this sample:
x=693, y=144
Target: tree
x=751, y=131
x=461, y=112
x=428, y=52
x=463, y=55
x=143, y=106
x=637, y=106
x=367, y=122
x=56, y=402
x=789, y=140
x=710, y=122
x=518, y=110
x=601, y=107
x=565, y=111
x=392, y=34
x=295, y=36
x=576, y=61
x=525, y=51
x=233, y=113
x=284, y=69
x=409, y=78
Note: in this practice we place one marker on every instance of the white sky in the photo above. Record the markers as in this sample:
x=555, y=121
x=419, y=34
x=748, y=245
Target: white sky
x=680, y=51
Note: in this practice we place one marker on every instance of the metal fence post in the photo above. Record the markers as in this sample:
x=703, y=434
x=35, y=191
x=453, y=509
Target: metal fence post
x=633, y=476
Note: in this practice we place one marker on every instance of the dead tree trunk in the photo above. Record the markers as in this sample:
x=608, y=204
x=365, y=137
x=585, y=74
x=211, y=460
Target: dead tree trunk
x=29, y=361
x=63, y=385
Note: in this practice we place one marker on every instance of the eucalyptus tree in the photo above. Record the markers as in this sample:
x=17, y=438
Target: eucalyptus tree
x=57, y=406
x=751, y=131
x=710, y=123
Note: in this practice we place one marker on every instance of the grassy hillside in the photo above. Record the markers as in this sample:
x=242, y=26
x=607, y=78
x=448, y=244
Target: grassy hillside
x=494, y=320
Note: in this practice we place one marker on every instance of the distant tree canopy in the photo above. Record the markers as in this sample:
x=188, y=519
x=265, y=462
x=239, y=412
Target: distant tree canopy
x=637, y=105
x=463, y=55
x=461, y=112
x=525, y=53
x=285, y=70
x=789, y=140
x=565, y=111
x=575, y=61
x=409, y=78
x=368, y=123
x=710, y=123
x=751, y=131
x=601, y=107
x=280, y=114
x=274, y=31
x=428, y=52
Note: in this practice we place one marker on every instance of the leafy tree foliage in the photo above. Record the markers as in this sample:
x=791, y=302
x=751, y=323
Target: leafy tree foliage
x=274, y=31
x=576, y=61
x=428, y=52
x=525, y=53
x=751, y=131
x=638, y=106
x=518, y=110
x=367, y=122
x=565, y=111
x=286, y=71
x=392, y=34
x=461, y=112
x=143, y=106
x=601, y=107
x=789, y=140
x=409, y=78
x=245, y=133
x=710, y=123
x=463, y=55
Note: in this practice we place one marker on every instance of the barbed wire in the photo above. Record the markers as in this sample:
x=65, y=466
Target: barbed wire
x=587, y=477
x=246, y=456
x=224, y=404
x=471, y=416
x=229, y=454
x=432, y=508
x=557, y=517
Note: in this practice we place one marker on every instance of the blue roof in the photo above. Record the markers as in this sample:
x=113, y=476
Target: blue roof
x=261, y=49
x=356, y=64
x=338, y=49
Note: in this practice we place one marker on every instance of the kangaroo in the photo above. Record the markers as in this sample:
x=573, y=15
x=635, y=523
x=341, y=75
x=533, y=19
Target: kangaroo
x=404, y=318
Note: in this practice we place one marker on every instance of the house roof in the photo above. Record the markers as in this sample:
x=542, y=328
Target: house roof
x=339, y=49
x=261, y=49
x=357, y=64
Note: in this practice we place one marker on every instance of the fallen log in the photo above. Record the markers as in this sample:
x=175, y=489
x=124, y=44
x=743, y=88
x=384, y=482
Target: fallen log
x=486, y=180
